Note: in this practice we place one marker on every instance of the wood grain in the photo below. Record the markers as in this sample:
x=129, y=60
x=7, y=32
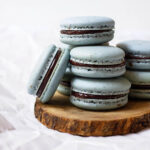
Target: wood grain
x=60, y=115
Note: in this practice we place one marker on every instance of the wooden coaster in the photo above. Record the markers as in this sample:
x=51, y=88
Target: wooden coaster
x=61, y=115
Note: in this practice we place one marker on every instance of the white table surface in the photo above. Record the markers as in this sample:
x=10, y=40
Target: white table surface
x=19, y=51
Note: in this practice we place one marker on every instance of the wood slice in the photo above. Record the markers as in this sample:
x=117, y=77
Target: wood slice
x=59, y=114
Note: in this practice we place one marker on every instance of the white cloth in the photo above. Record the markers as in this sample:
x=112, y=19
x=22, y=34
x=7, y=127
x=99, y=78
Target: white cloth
x=18, y=53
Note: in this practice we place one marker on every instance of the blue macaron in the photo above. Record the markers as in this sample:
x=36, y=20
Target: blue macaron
x=97, y=61
x=137, y=54
x=65, y=84
x=86, y=30
x=48, y=72
x=99, y=94
x=140, y=81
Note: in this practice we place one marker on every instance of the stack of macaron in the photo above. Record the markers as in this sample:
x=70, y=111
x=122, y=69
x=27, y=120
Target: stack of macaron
x=138, y=67
x=92, y=78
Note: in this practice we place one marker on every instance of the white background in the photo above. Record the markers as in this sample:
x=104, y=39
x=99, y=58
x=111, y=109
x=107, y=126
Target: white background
x=26, y=28
x=45, y=15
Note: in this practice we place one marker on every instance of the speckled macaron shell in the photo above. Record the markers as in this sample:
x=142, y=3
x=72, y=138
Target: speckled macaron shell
x=66, y=46
x=88, y=57
x=70, y=47
x=135, y=49
x=87, y=23
x=65, y=88
x=100, y=87
x=142, y=79
x=41, y=69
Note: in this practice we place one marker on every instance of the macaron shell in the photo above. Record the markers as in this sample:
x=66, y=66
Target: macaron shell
x=40, y=69
x=87, y=39
x=66, y=46
x=87, y=23
x=139, y=94
x=63, y=90
x=56, y=77
x=135, y=47
x=67, y=77
x=99, y=104
x=97, y=54
x=139, y=77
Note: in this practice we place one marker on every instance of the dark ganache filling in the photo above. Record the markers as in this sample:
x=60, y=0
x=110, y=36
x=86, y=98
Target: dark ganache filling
x=139, y=87
x=91, y=96
x=65, y=83
x=71, y=32
x=131, y=56
x=96, y=66
x=48, y=73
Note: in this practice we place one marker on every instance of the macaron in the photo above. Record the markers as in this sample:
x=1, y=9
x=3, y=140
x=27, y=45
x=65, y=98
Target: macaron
x=140, y=81
x=137, y=54
x=48, y=73
x=65, y=84
x=99, y=94
x=97, y=61
x=86, y=30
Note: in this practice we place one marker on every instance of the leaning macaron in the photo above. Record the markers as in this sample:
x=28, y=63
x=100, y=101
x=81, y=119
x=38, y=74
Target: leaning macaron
x=65, y=84
x=97, y=61
x=86, y=30
x=48, y=72
x=137, y=54
x=99, y=94
x=140, y=81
